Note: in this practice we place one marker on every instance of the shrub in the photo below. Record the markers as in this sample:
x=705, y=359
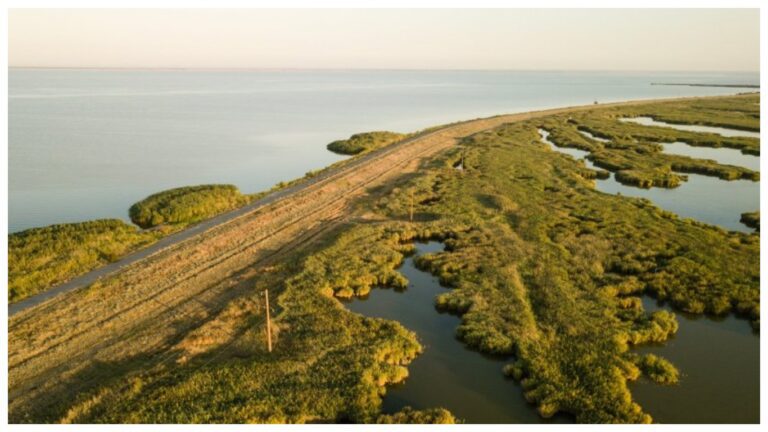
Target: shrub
x=186, y=205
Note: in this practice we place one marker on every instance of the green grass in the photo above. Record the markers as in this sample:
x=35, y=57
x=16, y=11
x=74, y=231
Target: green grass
x=186, y=205
x=363, y=142
x=41, y=257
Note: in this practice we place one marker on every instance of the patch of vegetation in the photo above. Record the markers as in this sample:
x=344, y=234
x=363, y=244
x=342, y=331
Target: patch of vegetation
x=39, y=258
x=363, y=142
x=410, y=415
x=186, y=205
x=751, y=219
x=659, y=370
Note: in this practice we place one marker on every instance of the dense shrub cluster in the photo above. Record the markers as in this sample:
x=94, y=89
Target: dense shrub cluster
x=658, y=369
x=362, y=142
x=410, y=415
x=186, y=205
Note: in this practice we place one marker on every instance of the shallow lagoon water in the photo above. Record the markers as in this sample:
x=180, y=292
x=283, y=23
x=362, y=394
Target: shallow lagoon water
x=704, y=198
x=86, y=144
x=648, y=121
x=447, y=374
x=719, y=362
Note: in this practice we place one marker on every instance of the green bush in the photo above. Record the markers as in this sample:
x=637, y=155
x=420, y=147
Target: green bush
x=363, y=142
x=410, y=415
x=186, y=205
x=658, y=369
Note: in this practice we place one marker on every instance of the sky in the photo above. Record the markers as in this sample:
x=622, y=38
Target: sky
x=523, y=39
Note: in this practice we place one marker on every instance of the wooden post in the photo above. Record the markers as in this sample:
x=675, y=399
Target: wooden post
x=269, y=324
x=410, y=213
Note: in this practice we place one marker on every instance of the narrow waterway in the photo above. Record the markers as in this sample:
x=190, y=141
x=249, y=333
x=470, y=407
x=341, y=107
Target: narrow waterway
x=719, y=363
x=648, y=121
x=593, y=137
x=447, y=374
x=704, y=198
x=725, y=156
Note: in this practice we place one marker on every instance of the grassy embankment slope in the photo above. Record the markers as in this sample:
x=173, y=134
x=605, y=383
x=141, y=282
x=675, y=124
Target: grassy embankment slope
x=540, y=265
x=39, y=258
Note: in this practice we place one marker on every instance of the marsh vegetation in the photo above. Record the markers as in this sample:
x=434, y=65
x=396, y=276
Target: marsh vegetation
x=41, y=257
x=541, y=268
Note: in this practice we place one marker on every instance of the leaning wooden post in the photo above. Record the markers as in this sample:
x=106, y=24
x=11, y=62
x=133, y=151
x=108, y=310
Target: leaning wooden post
x=269, y=325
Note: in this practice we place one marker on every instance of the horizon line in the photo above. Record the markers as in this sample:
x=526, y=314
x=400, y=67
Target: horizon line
x=288, y=69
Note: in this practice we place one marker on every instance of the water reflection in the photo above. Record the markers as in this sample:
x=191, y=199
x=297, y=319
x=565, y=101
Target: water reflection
x=719, y=362
x=648, y=121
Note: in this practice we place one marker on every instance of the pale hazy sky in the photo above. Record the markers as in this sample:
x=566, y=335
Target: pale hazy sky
x=618, y=39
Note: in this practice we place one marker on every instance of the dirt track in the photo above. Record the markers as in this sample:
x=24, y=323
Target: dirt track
x=67, y=339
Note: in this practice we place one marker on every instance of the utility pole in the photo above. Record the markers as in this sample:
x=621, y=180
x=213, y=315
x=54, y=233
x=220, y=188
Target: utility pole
x=410, y=213
x=269, y=324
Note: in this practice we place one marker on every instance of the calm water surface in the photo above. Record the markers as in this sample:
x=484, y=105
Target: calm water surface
x=719, y=362
x=725, y=156
x=447, y=374
x=648, y=121
x=86, y=144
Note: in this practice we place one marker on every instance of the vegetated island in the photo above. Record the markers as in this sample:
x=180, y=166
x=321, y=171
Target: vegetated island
x=541, y=267
x=363, y=142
